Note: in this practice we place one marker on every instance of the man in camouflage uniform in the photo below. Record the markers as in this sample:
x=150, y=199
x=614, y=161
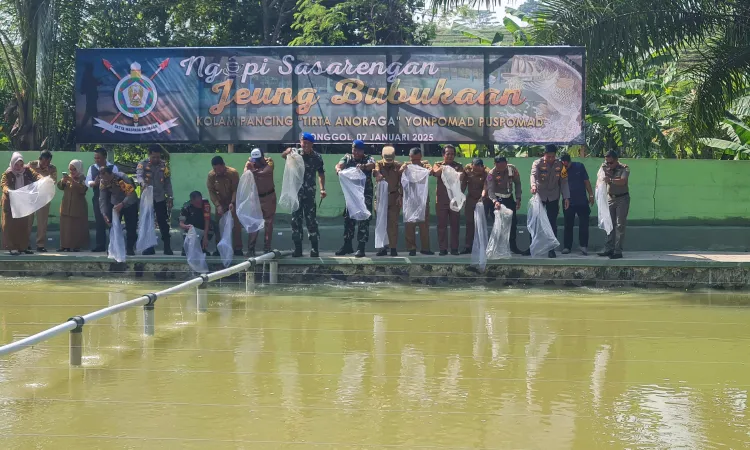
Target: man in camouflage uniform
x=313, y=163
x=502, y=181
x=549, y=180
x=472, y=181
x=154, y=172
x=445, y=215
x=616, y=177
x=366, y=164
x=389, y=170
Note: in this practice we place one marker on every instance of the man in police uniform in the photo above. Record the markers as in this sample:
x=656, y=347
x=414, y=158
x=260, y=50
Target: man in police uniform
x=313, y=164
x=222, y=183
x=445, y=215
x=92, y=181
x=472, y=181
x=43, y=166
x=502, y=181
x=616, y=177
x=549, y=181
x=366, y=164
x=410, y=229
x=153, y=172
x=117, y=194
x=262, y=169
x=197, y=214
x=389, y=170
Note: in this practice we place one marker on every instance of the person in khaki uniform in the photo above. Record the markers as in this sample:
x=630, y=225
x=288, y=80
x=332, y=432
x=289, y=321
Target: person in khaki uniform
x=410, y=229
x=616, y=177
x=502, y=181
x=43, y=166
x=389, y=170
x=549, y=180
x=16, y=231
x=472, y=181
x=445, y=215
x=222, y=185
x=262, y=169
x=74, y=211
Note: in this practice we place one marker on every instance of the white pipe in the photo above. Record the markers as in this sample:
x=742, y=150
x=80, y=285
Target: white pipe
x=39, y=337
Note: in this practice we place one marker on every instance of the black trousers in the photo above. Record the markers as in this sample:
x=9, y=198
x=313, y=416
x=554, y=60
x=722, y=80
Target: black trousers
x=130, y=215
x=101, y=227
x=553, y=209
x=162, y=215
x=510, y=203
x=583, y=212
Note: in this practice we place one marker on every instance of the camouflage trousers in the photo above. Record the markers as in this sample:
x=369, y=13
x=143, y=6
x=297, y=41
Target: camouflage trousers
x=307, y=209
x=363, y=228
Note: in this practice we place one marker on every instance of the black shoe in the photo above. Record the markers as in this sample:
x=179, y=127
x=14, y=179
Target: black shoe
x=130, y=252
x=442, y=252
x=98, y=250
x=345, y=249
x=615, y=256
x=467, y=251
x=455, y=252
x=216, y=253
x=28, y=251
x=183, y=253
x=168, y=249
x=526, y=253
x=394, y=252
x=238, y=252
x=412, y=253
x=382, y=252
x=251, y=253
x=41, y=250
x=427, y=252
x=149, y=252
x=552, y=254
x=314, y=253
x=605, y=253
x=297, y=250
x=360, y=250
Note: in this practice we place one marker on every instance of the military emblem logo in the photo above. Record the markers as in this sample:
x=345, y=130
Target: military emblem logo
x=136, y=97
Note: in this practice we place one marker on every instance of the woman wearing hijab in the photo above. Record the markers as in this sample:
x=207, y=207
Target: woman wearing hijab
x=74, y=212
x=16, y=232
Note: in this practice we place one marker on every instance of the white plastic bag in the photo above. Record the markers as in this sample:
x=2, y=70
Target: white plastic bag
x=479, y=249
x=248, y=204
x=294, y=172
x=116, y=249
x=602, y=204
x=414, y=181
x=353, y=185
x=146, y=221
x=195, y=256
x=452, y=181
x=225, y=247
x=542, y=238
x=499, y=245
x=381, y=220
x=31, y=198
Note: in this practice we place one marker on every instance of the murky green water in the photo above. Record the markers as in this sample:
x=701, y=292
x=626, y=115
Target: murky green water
x=379, y=367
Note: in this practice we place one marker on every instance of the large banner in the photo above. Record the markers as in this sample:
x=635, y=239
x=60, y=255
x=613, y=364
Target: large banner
x=505, y=95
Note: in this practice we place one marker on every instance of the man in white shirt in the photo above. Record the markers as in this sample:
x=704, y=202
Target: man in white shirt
x=92, y=181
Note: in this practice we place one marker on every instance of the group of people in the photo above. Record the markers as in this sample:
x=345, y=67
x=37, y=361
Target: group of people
x=552, y=178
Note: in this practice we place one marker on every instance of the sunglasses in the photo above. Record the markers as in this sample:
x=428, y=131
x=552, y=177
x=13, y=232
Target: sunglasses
x=611, y=163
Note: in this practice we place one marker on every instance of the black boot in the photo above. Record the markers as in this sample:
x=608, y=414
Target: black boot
x=467, y=251
x=130, y=251
x=394, y=252
x=251, y=252
x=149, y=252
x=168, y=248
x=360, y=250
x=297, y=249
x=382, y=252
x=314, y=247
x=345, y=249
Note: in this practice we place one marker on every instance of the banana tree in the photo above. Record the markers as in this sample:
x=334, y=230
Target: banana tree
x=737, y=142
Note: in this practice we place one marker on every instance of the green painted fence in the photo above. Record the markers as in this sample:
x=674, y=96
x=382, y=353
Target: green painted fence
x=674, y=192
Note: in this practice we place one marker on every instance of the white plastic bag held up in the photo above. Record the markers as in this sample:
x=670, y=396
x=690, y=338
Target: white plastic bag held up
x=294, y=172
x=225, y=247
x=499, y=245
x=452, y=182
x=195, y=256
x=248, y=204
x=602, y=205
x=353, y=185
x=31, y=198
x=116, y=249
x=414, y=181
x=479, y=249
x=542, y=238
x=146, y=220
x=381, y=221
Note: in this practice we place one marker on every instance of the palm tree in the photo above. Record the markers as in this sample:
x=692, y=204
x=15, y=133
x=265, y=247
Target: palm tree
x=711, y=38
